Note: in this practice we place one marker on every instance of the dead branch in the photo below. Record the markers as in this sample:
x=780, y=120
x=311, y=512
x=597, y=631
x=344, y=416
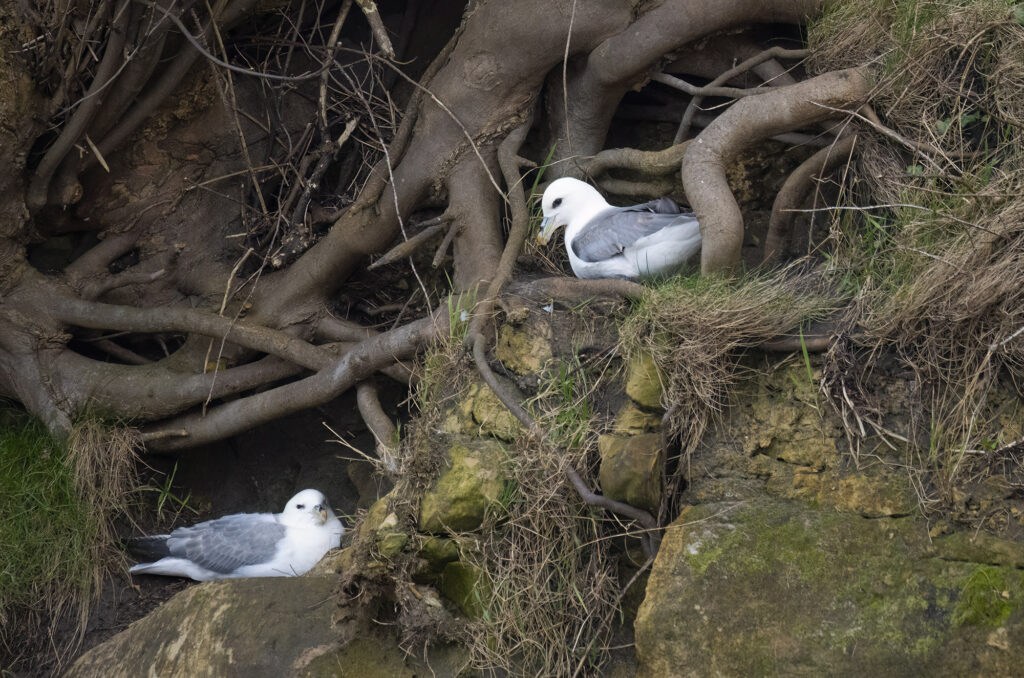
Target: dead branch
x=120, y=352
x=94, y=315
x=406, y=248
x=37, y=195
x=749, y=120
x=380, y=34
x=795, y=189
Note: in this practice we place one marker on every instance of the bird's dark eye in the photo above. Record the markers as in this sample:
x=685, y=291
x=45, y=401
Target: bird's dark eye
x=301, y=506
x=557, y=202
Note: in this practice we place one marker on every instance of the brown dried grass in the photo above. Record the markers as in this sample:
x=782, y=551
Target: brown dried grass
x=937, y=271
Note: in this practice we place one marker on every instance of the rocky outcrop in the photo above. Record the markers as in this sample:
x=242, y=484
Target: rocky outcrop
x=774, y=587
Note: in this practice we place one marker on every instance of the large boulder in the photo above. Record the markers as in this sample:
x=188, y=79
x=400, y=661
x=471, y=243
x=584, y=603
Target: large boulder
x=243, y=627
x=773, y=587
x=260, y=628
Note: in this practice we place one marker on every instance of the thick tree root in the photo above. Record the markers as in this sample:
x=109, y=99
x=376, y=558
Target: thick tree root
x=795, y=189
x=749, y=120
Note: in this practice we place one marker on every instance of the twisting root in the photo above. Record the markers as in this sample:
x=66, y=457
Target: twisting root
x=726, y=76
x=793, y=191
x=749, y=120
x=379, y=423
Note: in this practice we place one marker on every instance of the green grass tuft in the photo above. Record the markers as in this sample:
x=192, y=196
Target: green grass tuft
x=57, y=498
x=46, y=527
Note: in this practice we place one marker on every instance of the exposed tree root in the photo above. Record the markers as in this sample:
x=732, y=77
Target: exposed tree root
x=795, y=189
x=356, y=365
x=749, y=120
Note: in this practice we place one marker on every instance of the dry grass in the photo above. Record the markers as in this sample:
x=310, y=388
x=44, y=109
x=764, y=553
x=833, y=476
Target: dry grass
x=550, y=590
x=697, y=329
x=939, y=279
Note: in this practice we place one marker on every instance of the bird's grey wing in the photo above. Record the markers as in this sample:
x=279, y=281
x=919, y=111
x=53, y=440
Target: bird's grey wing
x=612, y=231
x=228, y=543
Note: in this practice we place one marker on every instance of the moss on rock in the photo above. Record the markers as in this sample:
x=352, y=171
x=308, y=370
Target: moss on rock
x=644, y=382
x=631, y=420
x=466, y=585
x=472, y=484
x=253, y=627
x=771, y=587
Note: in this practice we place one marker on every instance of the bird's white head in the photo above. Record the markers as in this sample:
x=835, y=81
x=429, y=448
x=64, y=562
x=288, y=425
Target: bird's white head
x=308, y=507
x=566, y=200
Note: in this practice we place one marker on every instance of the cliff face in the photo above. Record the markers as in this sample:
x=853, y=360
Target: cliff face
x=789, y=552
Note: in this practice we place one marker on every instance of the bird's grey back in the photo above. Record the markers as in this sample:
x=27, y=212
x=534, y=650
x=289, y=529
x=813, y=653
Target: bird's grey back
x=228, y=543
x=613, y=230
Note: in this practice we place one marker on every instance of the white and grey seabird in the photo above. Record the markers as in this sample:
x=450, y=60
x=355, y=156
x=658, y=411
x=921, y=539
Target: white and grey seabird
x=282, y=544
x=642, y=241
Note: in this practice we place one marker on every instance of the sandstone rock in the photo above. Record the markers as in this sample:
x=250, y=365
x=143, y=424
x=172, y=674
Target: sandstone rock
x=631, y=420
x=472, y=484
x=241, y=627
x=436, y=552
x=490, y=415
x=525, y=349
x=631, y=468
x=466, y=586
x=644, y=382
x=771, y=587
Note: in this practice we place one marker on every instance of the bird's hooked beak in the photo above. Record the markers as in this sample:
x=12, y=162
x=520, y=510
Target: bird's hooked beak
x=547, y=229
x=322, y=512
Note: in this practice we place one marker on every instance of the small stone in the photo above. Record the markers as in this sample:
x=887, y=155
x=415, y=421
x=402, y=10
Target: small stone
x=999, y=639
x=491, y=415
x=390, y=544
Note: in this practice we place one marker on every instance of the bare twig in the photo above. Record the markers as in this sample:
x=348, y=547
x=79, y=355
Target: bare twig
x=380, y=34
x=407, y=248
x=698, y=98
